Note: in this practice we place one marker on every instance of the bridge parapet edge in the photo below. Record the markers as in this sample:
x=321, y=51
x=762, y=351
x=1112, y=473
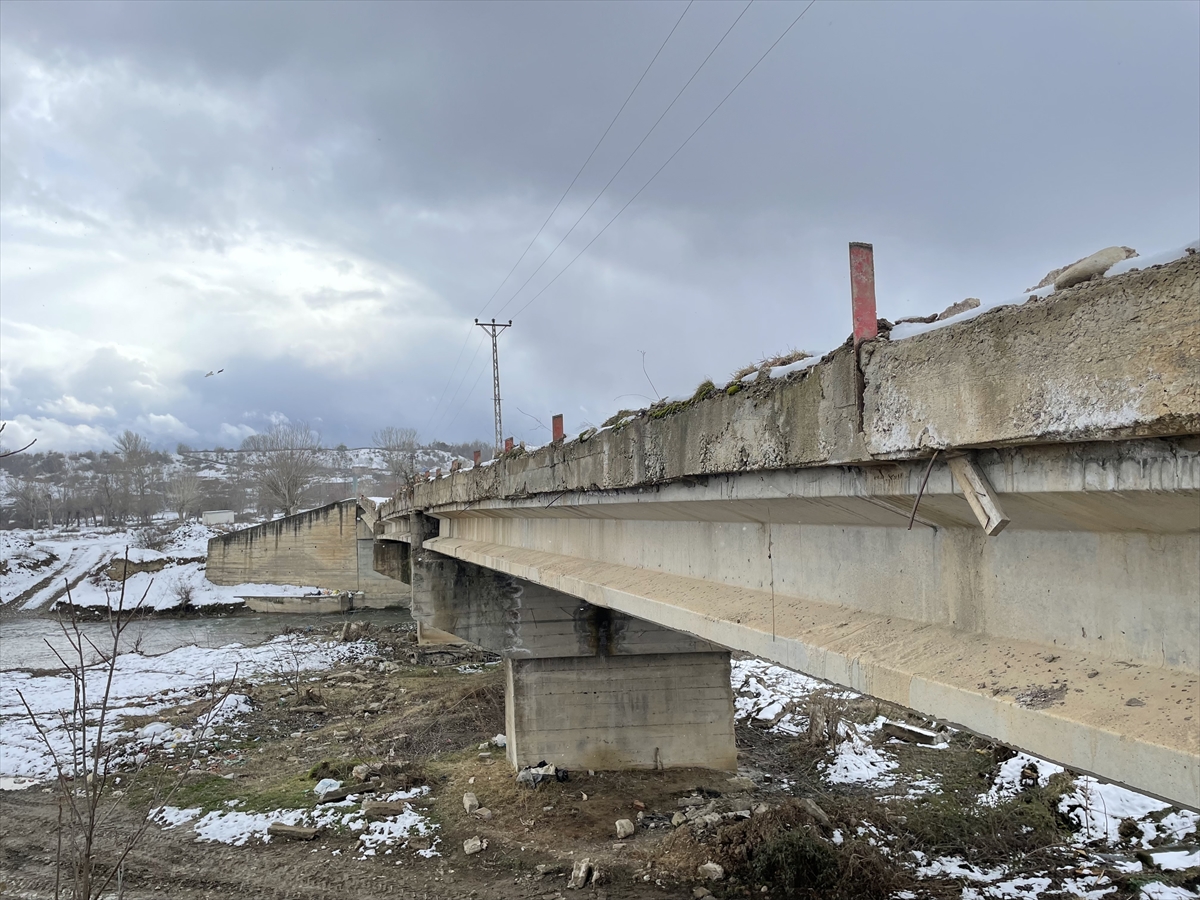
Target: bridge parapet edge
x=1104, y=361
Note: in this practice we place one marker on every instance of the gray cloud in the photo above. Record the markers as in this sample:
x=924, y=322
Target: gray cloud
x=321, y=196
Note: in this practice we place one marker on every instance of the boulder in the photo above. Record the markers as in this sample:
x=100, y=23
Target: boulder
x=712, y=871
x=470, y=802
x=1091, y=266
x=473, y=845
x=580, y=873
x=625, y=829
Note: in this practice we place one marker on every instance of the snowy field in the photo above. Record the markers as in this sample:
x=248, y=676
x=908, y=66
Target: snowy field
x=779, y=699
x=40, y=563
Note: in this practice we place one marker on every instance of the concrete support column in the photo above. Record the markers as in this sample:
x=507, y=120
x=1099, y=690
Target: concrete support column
x=586, y=687
x=660, y=710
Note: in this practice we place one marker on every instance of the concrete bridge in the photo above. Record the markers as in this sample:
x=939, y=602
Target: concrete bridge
x=1047, y=593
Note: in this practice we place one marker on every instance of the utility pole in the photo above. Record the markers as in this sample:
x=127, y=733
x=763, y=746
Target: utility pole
x=493, y=328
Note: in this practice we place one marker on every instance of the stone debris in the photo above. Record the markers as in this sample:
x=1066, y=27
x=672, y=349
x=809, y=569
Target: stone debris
x=909, y=733
x=1089, y=267
x=483, y=813
x=810, y=806
x=678, y=819
x=712, y=871
x=470, y=802
x=292, y=832
x=580, y=873
x=1060, y=279
x=473, y=845
x=342, y=793
x=958, y=308
x=383, y=809
x=699, y=893
x=625, y=828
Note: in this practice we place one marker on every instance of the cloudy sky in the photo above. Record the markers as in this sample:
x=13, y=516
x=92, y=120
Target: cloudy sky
x=319, y=198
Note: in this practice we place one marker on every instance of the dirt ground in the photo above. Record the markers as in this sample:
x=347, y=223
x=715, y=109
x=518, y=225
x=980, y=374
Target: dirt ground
x=422, y=714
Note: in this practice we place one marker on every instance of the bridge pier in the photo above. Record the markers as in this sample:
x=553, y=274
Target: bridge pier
x=585, y=687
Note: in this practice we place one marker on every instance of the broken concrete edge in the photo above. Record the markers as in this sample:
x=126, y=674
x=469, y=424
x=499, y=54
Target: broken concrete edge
x=1163, y=766
x=1051, y=371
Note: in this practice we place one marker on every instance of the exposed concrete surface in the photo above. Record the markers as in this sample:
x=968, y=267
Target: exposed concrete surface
x=1104, y=360
x=324, y=547
x=621, y=712
x=990, y=685
x=773, y=518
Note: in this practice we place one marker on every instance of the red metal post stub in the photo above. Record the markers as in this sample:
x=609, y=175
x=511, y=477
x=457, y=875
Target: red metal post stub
x=862, y=292
x=508, y=444
x=478, y=454
x=557, y=423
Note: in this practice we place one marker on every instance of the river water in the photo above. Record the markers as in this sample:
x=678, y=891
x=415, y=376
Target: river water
x=26, y=641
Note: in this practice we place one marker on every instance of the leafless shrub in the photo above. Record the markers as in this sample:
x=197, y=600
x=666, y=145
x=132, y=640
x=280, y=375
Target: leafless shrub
x=88, y=847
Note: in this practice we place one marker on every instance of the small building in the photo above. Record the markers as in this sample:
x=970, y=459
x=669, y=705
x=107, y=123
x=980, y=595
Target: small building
x=218, y=517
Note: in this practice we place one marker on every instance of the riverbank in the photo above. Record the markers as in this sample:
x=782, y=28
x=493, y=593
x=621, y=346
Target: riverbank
x=833, y=790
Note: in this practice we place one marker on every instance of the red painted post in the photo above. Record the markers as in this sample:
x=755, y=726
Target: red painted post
x=557, y=422
x=478, y=454
x=862, y=292
x=508, y=444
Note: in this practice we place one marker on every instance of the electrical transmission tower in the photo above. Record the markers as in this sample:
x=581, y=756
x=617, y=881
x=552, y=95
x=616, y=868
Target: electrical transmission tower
x=493, y=328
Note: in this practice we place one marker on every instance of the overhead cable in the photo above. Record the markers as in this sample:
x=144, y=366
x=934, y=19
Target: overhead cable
x=668, y=160
x=645, y=137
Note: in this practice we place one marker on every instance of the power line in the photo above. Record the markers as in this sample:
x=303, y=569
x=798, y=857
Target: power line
x=669, y=158
x=645, y=137
x=524, y=253
x=629, y=97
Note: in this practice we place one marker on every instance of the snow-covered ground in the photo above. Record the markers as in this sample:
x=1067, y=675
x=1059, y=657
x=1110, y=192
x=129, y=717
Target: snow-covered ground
x=54, y=558
x=142, y=685
x=780, y=700
x=382, y=837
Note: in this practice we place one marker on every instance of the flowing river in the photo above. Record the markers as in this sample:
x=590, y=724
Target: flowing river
x=26, y=642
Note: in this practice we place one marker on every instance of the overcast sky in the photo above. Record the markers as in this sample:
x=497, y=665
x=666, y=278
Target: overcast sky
x=319, y=198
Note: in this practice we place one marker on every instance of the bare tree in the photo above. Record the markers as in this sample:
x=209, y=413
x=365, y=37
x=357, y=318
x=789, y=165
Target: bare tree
x=137, y=460
x=183, y=492
x=285, y=460
x=399, y=446
x=90, y=850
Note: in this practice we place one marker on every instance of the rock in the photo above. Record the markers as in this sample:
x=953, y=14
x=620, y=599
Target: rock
x=638, y=804
x=618, y=845
x=325, y=785
x=598, y=876
x=678, y=819
x=909, y=733
x=810, y=806
x=342, y=793
x=361, y=772
x=419, y=843
x=624, y=829
x=473, y=845
x=762, y=809
x=470, y=802
x=685, y=802
x=292, y=832
x=712, y=871
x=382, y=809
x=955, y=309
x=1091, y=266
x=483, y=813
x=741, y=783
x=699, y=893
x=579, y=874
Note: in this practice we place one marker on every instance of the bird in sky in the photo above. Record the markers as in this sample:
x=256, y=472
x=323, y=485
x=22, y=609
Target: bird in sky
x=210, y=373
